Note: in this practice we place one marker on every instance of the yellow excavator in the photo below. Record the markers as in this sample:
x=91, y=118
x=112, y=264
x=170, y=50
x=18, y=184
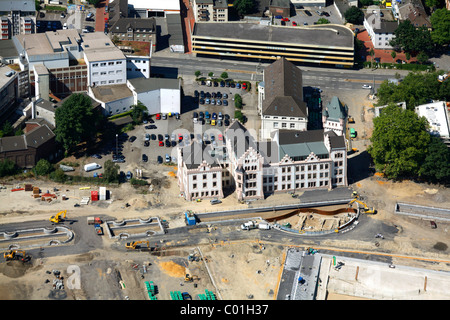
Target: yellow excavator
x=57, y=218
x=12, y=254
x=137, y=244
x=365, y=208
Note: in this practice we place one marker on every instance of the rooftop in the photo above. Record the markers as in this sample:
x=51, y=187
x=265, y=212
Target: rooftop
x=150, y=84
x=324, y=36
x=436, y=115
x=99, y=47
x=17, y=5
x=110, y=93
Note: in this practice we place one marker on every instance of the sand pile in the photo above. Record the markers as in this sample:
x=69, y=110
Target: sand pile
x=173, y=269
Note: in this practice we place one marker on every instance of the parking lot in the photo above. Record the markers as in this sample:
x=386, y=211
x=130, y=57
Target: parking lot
x=53, y=21
x=166, y=133
x=310, y=16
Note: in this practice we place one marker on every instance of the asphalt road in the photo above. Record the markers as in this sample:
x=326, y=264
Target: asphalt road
x=174, y=66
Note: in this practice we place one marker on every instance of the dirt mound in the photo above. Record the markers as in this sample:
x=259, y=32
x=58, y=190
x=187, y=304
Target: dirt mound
x=14, y=269
x=173, y=269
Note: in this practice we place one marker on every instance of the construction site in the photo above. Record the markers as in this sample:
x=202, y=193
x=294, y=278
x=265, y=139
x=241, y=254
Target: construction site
x=126, y=247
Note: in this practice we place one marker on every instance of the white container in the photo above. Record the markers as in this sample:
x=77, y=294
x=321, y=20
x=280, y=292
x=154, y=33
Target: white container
x=102, y=193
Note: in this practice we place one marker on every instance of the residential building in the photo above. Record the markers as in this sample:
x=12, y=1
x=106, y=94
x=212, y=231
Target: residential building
x=380, y=32
x=334, y=117
x=319, y=44
x=210, y=10
x=412, y=10
x=280, y=99
x=135, y=29
x=17, y=17
x=138, y=66
x=291, y=161
x=26, y=150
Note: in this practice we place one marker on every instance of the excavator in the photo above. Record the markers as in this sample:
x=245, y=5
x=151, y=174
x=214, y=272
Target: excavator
x=57, y=218
x=136, y=244
x=365, y=208
x=12, y=254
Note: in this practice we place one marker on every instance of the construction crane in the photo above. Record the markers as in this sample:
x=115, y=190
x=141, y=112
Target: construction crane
x=12, y=254
x=136, y=244
x=57, y=218
x=366, y=209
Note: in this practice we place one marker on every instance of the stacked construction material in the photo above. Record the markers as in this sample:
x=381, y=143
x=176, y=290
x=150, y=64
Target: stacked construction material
x=36, y=192
x=151, y=290
x=176, y=295
x=209, y=295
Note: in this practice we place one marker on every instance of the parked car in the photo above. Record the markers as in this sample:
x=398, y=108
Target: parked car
x=159, y=159
x=132, y=138
x=129, y=175
x=225, y=103
x=158, y=116
x=167, y=158
x=366, y=86
x=294, y=23
x=244, y=86
x=161, y=143
x=308, y=13
x=278, y=17
x=144, y=158
x=238, y=85
x=215, y=201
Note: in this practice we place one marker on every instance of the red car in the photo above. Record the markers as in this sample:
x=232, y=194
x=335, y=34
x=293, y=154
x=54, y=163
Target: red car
x=244, y=86
x=220, y=136
x=294, y=23
x=161, y=144
x=180, y=137
x=285, y=19
x=158, y=116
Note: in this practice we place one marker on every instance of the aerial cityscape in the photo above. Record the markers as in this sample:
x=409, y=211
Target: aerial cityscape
x=251, y=150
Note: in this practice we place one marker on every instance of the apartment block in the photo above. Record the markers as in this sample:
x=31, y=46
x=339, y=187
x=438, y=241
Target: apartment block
x=17, y=17
x=210, y=10
x=135, y=29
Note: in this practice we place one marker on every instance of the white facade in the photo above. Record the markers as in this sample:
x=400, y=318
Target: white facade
x=138, y=66
x=271, y=123
x=210, y=11
x=106, y=72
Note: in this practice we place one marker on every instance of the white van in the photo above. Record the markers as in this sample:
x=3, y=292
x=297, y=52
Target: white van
x=91, y=166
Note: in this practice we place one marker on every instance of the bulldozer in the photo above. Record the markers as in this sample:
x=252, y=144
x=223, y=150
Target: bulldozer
x=12, y=254
x=137, y=244
x=57, y=218
x=365, y=208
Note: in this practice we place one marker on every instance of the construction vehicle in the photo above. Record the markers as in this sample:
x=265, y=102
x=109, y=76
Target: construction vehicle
x=57, y=218
x=365, y=208
x=351, y=119
x=12, y=254
x=189, y=278
x=137, y=244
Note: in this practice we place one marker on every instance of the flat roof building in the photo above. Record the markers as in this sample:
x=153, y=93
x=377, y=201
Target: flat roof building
x=318, y=44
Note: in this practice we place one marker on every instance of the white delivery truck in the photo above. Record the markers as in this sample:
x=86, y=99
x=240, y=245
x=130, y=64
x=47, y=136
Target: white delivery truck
x=248, y=225
x=264, y=225
x=91, y=166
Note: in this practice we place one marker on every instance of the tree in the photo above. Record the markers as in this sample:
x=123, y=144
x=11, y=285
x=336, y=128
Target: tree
x=410, y=39
x=111, y=171
x=7, y=168
x=354, y=15
x=422, y=58
x=7, y=129
x=440, y=20
x=399, y=142
x=243, y=6
x=43, y=167
x=393, y=55
x=138, y=112
x=323, y=21
x=75, y=121
x=198, y=73
x=415, y=89
x=436, y=165
x=224, y=75
x=237, y=101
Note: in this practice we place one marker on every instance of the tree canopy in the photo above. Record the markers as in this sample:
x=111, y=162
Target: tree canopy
x=75, y=121
x=440, y=20
x=111, y=171
x=399, y=142
x=411, y=39
x=436, y=165
x=415, y=89
x=243, y=6
x=354, y=15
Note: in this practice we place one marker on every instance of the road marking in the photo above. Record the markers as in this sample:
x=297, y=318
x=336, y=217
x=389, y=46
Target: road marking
x=363, y=81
